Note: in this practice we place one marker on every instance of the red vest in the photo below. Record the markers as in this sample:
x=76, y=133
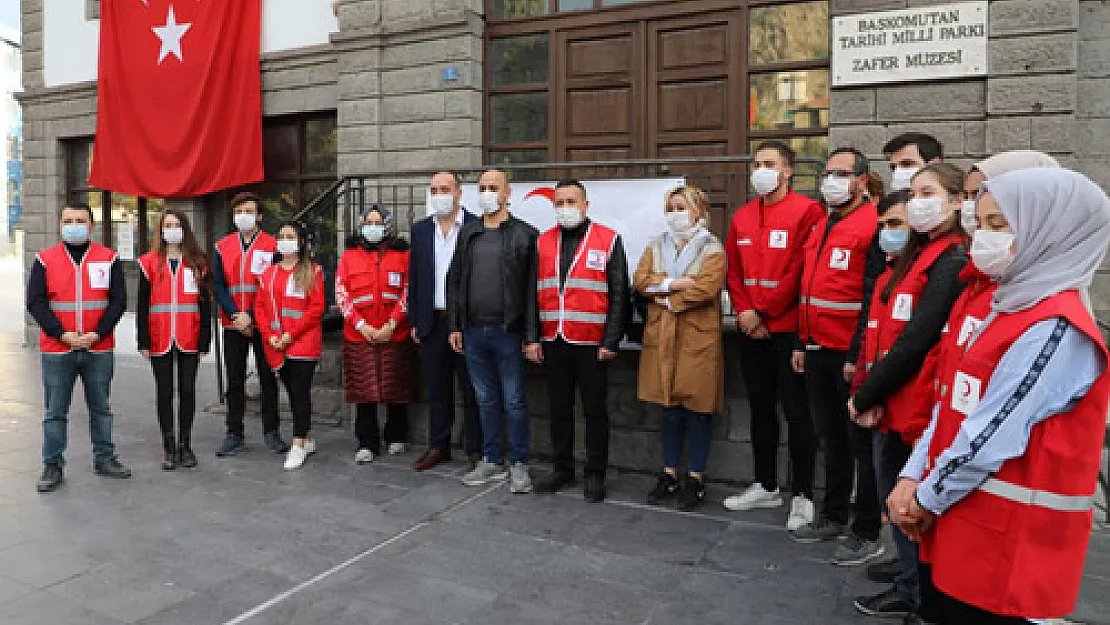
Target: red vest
x=282, y=309
x=832, y=281
x=970, y=310
x=1016, y=546
x=909, y=409
x=375, y=284
x=174, y=305
x=242, y=269
x=577, y=312
x=78, y=302
x=764, y=247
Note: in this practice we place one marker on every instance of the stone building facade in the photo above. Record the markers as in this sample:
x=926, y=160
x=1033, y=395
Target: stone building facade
x=407, y=83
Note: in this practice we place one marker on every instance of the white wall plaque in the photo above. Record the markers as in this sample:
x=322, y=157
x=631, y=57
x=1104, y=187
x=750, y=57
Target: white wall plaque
x=921, y=43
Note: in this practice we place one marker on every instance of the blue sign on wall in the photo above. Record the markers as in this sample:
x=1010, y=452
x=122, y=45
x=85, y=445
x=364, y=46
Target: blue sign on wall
x=15, y=171
x=14, y=215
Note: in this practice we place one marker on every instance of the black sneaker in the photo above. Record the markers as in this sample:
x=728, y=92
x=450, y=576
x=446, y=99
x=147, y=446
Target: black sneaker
x=186, y=458
x=666, y=487
x=112, y=467
x=169, y=460
x=554, y=482
x=889, y=603
x=821, y=530
x=594, y=489
x=52, y=478
x=884, y=572
x=274, y=442
x=691, y=495
x=233, y=444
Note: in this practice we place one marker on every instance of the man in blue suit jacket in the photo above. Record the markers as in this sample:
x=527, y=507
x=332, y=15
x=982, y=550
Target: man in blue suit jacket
x=433, y=245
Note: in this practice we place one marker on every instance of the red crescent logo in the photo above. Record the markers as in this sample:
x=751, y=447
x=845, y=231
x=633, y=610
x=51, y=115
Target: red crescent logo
x=966, y=388
x=547, y=192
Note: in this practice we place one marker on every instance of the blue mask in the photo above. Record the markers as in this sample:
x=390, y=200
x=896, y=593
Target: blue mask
x=75, y=234
x=893, y=241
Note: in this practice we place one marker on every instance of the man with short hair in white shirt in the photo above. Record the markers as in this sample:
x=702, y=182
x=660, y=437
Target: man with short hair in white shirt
x=433, y=245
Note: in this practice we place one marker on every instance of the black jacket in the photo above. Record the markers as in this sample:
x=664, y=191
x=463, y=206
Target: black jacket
x=519, y=257
x=422, y=273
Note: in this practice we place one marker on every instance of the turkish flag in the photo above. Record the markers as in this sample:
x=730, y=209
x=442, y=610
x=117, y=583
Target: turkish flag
x=180, y=97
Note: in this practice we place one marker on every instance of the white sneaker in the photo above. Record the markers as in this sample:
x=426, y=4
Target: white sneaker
x=801, y=512
x=310, y=446
x=754, y=497
x=396, y=449
x=364, y=456
x=295, y=458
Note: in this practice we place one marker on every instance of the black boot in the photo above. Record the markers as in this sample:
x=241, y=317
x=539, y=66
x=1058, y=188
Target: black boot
x=186, y=458
x=169, y=455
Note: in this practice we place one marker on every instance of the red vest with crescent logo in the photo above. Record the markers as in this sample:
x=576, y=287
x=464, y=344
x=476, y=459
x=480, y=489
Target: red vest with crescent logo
x=174, y=305
x=243, y=268
x=77, y=293
x=969, y=311
x=375, y=284
x=282, y=309
x=907, y=410
x=1016, y=546
x=832, y=281
x=576, y=312
x=765, y=257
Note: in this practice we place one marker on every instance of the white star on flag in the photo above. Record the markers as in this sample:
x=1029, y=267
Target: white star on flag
x=171, y=35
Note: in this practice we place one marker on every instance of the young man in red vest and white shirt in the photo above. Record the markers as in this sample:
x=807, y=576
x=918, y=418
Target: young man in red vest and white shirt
x=765, y=249
x=76, y=293
x=830, y=304
x=241, y=258
x=582, y=292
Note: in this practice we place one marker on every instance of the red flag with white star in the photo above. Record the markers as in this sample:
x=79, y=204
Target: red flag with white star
x=180, y=97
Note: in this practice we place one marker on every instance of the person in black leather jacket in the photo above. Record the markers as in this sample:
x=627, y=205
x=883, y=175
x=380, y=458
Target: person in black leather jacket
x=491, y=303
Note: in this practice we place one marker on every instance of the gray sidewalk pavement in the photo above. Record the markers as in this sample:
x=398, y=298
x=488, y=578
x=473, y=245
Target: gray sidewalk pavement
x=239, y=540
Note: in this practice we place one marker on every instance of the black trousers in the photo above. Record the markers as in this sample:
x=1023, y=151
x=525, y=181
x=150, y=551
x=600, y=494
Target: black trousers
x=942, y=609
x=569, y=366
x=296, y=375
x=366, y=426
x=441, y=367
x=770, y=379
x=163, y=367
x=848, y=456
x=236, y=347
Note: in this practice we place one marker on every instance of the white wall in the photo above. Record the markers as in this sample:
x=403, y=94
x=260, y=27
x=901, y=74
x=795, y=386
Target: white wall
x=70, y=45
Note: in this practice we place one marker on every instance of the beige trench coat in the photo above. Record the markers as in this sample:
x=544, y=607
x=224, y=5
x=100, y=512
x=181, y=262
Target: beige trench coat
x=682, y=362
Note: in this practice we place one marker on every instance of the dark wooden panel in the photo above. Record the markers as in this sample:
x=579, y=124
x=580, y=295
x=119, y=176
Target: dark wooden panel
x=592, y=57
x=599, y=112
x=692, y=47
x=699, y=105
x=598, y=154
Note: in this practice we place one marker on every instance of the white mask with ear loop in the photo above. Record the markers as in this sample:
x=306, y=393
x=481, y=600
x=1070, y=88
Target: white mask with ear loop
x=967, y=217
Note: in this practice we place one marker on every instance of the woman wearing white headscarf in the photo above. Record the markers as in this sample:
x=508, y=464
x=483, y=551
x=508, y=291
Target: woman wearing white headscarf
x=1003, y=510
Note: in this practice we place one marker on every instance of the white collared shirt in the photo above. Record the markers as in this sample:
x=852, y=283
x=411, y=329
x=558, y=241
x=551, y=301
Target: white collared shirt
x=444, y=250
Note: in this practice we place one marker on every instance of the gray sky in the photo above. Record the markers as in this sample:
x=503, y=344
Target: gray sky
x=9, y=13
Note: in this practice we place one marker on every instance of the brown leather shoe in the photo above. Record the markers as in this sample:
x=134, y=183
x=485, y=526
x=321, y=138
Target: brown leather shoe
x=474, y=459
x=431, y=458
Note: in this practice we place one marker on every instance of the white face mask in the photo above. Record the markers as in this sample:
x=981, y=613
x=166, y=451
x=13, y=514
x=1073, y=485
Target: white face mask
x=569, y=217
x=967, y=217
x=837, y=191
x=441, y=204
x=765, y=181
x=900, y=179
x=489, y=202
x=373, y=233
x=990, y=251
x=287, y=247
x=679, y=225
x=173, y=236
x=245, y=222
x=926, y=213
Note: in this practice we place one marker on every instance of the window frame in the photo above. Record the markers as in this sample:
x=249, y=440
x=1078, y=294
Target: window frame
x=107, y=229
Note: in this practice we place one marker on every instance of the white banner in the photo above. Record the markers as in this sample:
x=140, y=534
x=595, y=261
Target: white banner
x=634, y=207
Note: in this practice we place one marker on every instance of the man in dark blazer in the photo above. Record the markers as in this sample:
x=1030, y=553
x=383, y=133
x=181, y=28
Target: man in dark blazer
x=433, y=245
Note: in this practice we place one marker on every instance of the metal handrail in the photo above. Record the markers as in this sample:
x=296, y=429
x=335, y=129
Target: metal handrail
x=333, y=189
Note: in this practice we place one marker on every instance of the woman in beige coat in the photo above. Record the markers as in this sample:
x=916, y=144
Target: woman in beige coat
x=681, y=273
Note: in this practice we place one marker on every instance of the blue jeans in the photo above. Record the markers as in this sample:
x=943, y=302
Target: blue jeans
x=59, y=374
x=683, y=427
x=496, y=366
x=890, y=454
